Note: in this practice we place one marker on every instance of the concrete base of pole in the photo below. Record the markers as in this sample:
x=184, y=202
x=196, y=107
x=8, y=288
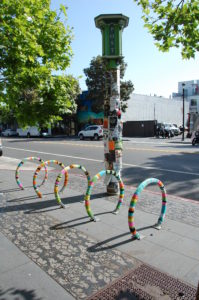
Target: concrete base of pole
x=112, y=188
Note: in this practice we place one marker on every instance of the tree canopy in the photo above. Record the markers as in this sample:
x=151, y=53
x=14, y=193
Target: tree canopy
x=34, y=43
x=6, y=114
x=173, y=23
x=97, y=81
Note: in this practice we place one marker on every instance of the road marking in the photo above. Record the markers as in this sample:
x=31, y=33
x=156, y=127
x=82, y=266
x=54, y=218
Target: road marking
x=72, y=144
x=101, y=161
x=125, y=148
x=153, y=150
x=63, y=155
x=160, y=169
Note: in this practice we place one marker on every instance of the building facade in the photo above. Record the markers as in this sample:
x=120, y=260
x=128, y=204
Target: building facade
x=142, y=114
x=148, y=108
x=191, y=92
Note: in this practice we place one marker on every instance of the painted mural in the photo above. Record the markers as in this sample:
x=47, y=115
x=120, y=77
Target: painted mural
x=89, y=112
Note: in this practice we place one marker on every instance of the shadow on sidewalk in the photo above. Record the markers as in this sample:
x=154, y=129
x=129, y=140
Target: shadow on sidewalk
x=27, y=198
x=42, y=205
x=98, y=247
x=14, y=189
x=19, y=293
x=64, y=225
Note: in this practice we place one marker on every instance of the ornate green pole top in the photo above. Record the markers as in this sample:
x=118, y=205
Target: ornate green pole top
x=111, y=26
x=111, y=18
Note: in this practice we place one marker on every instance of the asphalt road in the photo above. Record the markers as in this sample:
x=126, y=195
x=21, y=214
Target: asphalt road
x=173, y=162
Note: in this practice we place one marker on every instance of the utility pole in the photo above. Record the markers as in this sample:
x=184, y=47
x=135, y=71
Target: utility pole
x=183, y=111
x=111, y=26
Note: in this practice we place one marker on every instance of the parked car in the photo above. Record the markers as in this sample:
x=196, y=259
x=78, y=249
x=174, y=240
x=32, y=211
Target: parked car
x=44, y=133
x=1, y=149
x=164, y=130
x=176, y=129
x=93, y=132
x=9, y=132
x=173, y=128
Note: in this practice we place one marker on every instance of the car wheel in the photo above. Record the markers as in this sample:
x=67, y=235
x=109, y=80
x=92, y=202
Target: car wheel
x=81, y=137
x=28, y=135
x=194, y=142
x=1, y=152
x=96, y=137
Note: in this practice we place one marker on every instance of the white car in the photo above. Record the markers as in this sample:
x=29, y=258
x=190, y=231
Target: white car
x=172, y=128
x=176, y=129
x=93, y=132
x=9, y=132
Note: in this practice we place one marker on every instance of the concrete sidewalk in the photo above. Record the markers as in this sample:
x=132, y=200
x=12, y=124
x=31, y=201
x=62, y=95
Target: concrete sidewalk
x=48, y=253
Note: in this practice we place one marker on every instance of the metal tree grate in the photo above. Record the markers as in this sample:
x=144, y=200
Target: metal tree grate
x=146, y=283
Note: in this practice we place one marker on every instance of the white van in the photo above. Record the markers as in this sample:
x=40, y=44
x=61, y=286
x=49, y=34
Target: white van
x=28, y=131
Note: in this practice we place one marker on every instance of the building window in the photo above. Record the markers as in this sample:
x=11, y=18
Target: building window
x=193, y=102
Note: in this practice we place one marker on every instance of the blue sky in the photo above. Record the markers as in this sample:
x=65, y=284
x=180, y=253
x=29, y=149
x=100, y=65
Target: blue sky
x=151, y=71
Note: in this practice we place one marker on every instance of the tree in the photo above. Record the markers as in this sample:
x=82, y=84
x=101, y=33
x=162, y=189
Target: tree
x=6, y=114
x=98, y=81
x=34, y=44
x=173, y=24
x=49, y=103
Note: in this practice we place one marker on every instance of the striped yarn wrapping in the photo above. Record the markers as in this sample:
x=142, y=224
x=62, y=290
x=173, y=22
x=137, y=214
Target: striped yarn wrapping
x=134, y=199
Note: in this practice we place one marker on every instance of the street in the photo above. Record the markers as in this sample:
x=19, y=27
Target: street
x=173, y=162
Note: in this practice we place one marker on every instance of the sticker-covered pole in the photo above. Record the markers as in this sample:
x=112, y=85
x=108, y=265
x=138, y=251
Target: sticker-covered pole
x=111, y=26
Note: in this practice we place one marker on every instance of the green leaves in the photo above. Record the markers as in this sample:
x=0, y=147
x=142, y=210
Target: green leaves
x=97, y=82
x=173, y=24
x=33, y=44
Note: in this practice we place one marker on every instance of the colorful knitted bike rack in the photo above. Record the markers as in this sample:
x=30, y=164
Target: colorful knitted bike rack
x=65, y=171
x=88, y=192
x=44, y=164
x=22, y=163
x=134, y=199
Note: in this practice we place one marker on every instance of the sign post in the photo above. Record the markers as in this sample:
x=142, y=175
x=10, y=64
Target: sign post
x=111, y=26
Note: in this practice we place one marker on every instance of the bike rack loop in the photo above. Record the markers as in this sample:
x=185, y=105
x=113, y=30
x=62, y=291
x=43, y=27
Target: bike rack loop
x=22, y=163
x=135, y=234
x=88, y=192
x=65, y=171
x=44, y=164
